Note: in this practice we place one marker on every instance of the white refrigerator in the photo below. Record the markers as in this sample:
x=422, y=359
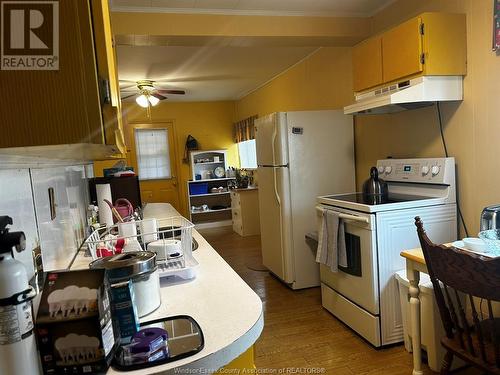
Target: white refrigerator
x=300, y=156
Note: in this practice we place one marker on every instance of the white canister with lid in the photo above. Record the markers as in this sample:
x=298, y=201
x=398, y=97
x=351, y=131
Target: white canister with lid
x=139, y=267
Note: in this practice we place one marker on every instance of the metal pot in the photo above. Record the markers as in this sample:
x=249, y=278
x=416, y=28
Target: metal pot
x=141, y=269
x=490, y=217
x=375, y=189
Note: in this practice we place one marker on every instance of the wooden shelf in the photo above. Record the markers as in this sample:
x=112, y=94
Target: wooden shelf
x=210, y=211
x=209, y=194
x=210, y=162
x=212, y=179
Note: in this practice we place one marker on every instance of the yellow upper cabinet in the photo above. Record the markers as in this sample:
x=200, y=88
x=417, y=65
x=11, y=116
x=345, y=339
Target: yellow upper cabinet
x=77, y=103
x=402, y=50
x=367, y=64
x=430, y=44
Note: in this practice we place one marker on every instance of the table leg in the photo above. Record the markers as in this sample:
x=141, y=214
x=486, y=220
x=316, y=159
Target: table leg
x=414, y=278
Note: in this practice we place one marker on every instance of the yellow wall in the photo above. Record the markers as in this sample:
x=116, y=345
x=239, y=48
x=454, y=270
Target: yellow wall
x=211, y=123
x=322, y=81
x=471, y=127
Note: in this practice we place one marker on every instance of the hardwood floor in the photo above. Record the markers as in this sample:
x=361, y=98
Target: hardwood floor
x=298, y=332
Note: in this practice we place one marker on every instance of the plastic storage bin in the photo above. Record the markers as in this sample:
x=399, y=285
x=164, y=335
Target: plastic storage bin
x=197, y=189
x=431, y=328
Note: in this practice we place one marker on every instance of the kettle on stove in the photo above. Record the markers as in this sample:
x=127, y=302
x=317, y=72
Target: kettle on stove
x=490, y=217
x=375, y=190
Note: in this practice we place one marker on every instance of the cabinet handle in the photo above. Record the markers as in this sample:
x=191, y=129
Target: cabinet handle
x=52, y=203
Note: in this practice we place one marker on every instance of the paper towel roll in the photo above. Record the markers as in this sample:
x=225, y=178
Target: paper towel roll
x=105, y=215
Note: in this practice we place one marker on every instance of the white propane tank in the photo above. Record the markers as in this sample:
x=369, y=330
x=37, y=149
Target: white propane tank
x=18, y=353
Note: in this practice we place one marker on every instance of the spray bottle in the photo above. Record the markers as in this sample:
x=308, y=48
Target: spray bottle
x=18, y=354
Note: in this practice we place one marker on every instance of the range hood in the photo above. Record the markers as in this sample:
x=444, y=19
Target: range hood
x=415, y=93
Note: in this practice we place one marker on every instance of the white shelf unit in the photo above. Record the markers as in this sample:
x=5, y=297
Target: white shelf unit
x=219, y=204
x=205, y=162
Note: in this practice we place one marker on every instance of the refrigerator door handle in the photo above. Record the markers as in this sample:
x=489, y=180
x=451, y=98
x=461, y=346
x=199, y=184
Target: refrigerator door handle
x=273, y=149
x=276, y=195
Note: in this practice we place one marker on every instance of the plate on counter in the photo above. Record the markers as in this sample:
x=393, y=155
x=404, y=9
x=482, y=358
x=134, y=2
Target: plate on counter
x=461, y=245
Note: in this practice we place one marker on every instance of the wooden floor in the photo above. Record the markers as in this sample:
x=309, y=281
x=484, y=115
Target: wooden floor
x=298, y=332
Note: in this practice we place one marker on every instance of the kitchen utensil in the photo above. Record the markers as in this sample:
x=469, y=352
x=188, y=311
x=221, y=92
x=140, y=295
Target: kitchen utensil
x=219, y=172
x=375, y=189
x=122, y=206
x=139, y=267
x=490, y=217
x=206, y=175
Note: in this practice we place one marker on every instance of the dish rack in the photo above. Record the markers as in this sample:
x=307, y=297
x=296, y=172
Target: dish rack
x=183, y=266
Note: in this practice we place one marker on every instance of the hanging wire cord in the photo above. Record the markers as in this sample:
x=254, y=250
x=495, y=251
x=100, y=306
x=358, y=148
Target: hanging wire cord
x=438, y=107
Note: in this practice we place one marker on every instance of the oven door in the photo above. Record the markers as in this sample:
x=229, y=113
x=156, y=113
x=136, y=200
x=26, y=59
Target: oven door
x=357, y=282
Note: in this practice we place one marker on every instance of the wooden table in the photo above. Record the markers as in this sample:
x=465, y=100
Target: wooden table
x=415, y=263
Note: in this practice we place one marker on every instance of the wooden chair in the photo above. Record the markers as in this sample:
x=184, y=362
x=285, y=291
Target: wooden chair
x=470, y=335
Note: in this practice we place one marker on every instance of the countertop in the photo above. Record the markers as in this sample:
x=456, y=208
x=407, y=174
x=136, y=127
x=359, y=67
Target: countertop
x=417, y=255
x=239, y=190
x=226, y=308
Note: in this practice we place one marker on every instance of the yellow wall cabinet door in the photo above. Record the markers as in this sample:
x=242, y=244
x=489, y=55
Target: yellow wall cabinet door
x=367, y=64
x=402, y=50
x=430, y=44
x=64, y=106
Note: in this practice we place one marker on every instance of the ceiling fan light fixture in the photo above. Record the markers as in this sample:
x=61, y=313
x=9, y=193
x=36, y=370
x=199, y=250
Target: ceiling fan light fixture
x=153, y=100
x=142, y=100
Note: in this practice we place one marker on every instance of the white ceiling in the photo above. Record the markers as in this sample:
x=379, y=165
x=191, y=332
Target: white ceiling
x=206, y=73
x=265, y=7
x=222, y=69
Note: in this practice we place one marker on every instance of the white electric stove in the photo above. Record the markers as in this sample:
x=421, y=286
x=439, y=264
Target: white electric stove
x=364, y=295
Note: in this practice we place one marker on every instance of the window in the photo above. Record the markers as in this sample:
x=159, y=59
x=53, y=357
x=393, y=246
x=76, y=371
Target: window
x=248, y=154
x=153, y=157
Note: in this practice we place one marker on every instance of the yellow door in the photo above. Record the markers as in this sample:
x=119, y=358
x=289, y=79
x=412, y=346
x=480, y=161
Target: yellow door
x=154, y=158
x=367, y=64
x=402, y=50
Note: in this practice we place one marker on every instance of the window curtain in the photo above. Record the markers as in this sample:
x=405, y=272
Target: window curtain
x=244, y=130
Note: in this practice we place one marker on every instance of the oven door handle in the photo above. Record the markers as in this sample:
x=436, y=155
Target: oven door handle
x=347, y=216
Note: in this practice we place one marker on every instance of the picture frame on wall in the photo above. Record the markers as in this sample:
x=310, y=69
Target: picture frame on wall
x=496, y=25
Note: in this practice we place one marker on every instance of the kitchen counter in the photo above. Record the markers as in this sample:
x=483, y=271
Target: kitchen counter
x=226, y=308
x=239, y=190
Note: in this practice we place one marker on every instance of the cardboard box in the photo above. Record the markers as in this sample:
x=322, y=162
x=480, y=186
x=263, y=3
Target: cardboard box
x=74, y=326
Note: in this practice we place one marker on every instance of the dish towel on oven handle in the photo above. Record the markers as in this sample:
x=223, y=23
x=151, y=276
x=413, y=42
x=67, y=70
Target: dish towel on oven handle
x=331, y=241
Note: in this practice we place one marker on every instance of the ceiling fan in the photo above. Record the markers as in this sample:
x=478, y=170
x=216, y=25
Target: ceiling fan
x=148, y=94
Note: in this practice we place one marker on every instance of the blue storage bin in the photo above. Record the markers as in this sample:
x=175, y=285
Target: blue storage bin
x=196, y=189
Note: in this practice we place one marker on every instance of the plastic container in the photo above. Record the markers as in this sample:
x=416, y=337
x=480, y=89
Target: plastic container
x=197, y=189
x=431, y=327
x=140, y=268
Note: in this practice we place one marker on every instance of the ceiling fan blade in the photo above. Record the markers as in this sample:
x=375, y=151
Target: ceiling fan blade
x=174, y=92
x=161, y=97
x=128, y=96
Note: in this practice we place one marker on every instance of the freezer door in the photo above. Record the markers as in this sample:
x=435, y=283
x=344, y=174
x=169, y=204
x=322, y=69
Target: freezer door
x=275, y=226
x=271, y=140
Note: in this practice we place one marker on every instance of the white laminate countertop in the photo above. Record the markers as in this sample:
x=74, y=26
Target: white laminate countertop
x=226, y=308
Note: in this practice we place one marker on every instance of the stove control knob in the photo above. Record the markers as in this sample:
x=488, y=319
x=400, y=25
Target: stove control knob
x=435, y=170
x=388, y=169
x=381, y=169
x=425, y=170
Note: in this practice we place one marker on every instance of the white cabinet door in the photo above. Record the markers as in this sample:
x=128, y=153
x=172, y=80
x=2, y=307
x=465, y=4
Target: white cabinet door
x=17, y=202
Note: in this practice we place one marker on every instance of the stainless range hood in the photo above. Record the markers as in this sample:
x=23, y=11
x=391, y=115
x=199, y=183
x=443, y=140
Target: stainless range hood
x=415, y=93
